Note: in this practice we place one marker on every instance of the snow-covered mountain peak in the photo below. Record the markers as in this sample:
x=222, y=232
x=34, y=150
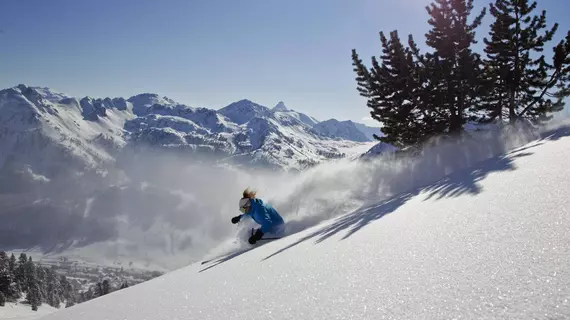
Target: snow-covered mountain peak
x=44, y=92
x=280, y=107
x=340, y=129
x=146, y=100
x=53, y=134
x=244, y=110
x=369, y=131
x=281, y=137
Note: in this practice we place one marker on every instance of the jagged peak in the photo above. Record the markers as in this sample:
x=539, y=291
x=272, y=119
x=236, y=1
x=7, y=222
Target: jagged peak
x=280, y=106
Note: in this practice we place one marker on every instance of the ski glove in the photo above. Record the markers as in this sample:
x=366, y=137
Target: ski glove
x=253, y=239
x=236, y=219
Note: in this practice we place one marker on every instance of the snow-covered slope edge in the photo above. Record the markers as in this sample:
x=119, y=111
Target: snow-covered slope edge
x=74, y=182
x=21, y=311
x=486, y=242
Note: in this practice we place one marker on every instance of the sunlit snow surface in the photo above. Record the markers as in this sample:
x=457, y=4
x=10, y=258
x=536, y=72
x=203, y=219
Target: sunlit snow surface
x=490, y=242
x=21, y=311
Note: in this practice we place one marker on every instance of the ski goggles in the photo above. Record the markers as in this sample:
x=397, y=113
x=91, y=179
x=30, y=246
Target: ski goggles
x=243, y=205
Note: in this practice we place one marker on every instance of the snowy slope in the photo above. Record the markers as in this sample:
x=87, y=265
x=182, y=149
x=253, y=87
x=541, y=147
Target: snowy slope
x=51, y=136
x=340, y=129
x=20, y=311
x=306, y=119
x=490, y=241
x=378, y=149
x=77, y=178
x=369, y=132
x=243, y=111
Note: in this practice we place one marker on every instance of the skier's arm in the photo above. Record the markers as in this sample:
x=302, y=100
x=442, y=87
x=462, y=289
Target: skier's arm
x=236, y=219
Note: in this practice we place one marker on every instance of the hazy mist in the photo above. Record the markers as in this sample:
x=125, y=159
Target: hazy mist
x=168, y=209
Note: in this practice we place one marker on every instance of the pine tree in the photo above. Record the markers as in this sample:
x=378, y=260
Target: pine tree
x=13, y=264
x=2, y=299
x=392, y=88
x=52, y=292
x=7, y=282
x=67, y=291
x=102, y=288
x=4, y=273
x=33, y=296
x=41, y=279
x=518, y=71
x=33, y=285
x=456, y=67
x=106, y=286
x=21, y=273
x=417, y=95
x=124, y=285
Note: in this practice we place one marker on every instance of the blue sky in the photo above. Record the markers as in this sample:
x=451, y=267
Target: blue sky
x=210, y=53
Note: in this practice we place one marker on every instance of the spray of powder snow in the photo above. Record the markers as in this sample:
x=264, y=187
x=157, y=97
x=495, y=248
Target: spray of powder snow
x=174, y=211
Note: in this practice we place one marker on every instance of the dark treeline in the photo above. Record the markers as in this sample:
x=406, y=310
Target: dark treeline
x=417, y=95
x=38, y=284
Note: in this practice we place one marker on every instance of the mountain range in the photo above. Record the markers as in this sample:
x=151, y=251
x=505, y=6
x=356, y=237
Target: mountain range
x=78, y=171
x=90, y=131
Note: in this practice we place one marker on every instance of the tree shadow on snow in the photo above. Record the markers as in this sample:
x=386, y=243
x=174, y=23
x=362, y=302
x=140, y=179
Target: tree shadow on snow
x=467, y=181
x=454, y=185
x=556, y=134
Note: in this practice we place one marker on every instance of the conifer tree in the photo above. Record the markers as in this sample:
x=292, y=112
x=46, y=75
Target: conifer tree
x=519, y=75
x=391, y=87
x=33, y=295
x=40, y=279
x=21, y=273
x=456, y=67
x=4, y=273
x=106, y=286
x=417, y=95
x=68, y=293
x=12, y=264
x=52, y=291
x=7, y=281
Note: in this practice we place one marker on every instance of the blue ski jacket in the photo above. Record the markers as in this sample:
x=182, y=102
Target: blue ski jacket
x=265, y=215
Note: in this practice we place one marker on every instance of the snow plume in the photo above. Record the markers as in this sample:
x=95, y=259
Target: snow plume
x=173, y=209
x=329, y=190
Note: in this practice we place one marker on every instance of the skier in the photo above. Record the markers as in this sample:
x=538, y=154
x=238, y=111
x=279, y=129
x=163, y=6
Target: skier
x=263, y=214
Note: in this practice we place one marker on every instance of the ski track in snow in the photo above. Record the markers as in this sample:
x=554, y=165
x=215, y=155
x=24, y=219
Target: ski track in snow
x=487, y=242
